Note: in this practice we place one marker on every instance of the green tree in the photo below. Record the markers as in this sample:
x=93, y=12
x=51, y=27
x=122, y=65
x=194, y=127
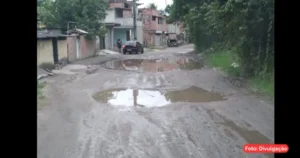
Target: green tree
x=245, y=25
x=152, y=6
x=87, y=14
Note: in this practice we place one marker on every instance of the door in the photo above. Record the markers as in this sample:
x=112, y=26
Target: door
x=55, y=50
x=77, y=47
x=157, y=40
x=102, y=43
x=128, y=35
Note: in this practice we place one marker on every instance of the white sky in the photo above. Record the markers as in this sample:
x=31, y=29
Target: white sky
x=161, y=4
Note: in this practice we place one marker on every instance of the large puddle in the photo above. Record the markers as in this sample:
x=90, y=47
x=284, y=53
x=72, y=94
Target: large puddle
x=154, y=65
x=152, y=98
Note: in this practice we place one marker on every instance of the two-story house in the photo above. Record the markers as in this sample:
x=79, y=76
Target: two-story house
x=119, y=22
x=154, y=27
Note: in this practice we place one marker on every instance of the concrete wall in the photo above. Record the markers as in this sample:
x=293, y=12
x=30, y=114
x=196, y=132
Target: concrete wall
x=87, y=47
x=174, y=28
x=110, y=16
x=44, y=51
x=127, y=13
x=62, y=50
x=91, y=47
x=116, y=5
x=140, y=34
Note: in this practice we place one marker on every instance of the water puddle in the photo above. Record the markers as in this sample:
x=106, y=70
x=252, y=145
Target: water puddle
x=154, y=65
x=153, y=98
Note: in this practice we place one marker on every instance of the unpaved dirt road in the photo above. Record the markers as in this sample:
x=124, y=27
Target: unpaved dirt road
x=155, y=106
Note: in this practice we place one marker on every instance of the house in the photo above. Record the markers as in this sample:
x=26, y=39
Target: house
x=173, y=30
x=51, y=47
x=79, y=46
x=119, y=23
x=154, y=27
x=176, y=31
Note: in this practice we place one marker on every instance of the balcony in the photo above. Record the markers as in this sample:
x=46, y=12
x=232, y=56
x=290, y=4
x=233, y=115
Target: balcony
x=127, y=22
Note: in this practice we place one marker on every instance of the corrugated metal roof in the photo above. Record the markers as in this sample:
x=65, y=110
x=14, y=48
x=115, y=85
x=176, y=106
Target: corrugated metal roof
x=41, y=34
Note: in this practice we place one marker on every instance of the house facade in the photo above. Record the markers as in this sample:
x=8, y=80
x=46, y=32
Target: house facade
x=119, y=22
x=154, y=27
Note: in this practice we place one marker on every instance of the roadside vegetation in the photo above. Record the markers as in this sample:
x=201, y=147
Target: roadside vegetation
x=86, y=15
x=40, y=93
x=234, y=35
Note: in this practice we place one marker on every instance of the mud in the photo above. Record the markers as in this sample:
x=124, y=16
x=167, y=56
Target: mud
x=154, y=65
x=153, y=98
x=73, y=124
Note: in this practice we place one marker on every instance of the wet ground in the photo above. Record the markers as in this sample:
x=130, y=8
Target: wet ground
x=164, y=104
x=155, y=98
x=154, y=65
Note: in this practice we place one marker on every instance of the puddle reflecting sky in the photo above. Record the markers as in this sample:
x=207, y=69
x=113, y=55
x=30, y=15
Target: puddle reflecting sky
x=152, y=98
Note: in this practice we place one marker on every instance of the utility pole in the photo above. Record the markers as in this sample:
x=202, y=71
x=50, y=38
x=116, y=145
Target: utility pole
x=134, y=19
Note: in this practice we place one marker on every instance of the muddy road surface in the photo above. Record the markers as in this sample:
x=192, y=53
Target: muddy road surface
x=160, y=104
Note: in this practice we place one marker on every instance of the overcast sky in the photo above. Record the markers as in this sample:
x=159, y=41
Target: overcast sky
x=161, y=4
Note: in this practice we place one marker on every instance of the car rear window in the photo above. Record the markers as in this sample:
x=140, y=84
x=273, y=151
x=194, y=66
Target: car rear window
x=130, y=43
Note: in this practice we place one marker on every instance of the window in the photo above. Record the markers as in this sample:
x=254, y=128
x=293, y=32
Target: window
x=126, y=5
x=160, y=21
x=153, y=18
x=119, y=13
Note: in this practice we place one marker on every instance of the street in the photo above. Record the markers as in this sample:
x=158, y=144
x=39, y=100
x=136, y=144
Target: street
x=160, y=104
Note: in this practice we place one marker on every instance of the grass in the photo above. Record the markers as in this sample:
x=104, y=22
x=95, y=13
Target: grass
x=262, y=86
x=224, y=60
x=40, y=90
x=40, y=94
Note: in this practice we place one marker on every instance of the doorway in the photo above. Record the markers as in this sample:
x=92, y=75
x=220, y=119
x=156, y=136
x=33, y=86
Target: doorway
x=77, y=47
x=128, y=35
x=55, y=50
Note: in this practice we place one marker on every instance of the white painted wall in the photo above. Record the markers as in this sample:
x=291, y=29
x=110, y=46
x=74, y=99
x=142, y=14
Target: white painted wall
x=127, y=22
x=173, y=28
x=110, y=16
x=139, y=34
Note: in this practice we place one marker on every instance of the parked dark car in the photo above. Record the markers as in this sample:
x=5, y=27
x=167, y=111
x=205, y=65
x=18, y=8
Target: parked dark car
x=172, y=43
x=132, y=47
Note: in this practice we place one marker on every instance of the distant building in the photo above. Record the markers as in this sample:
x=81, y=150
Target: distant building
x=154, y=27
x=119, y=22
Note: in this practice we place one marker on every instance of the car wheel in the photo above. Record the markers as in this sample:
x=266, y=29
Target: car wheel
x=124, y=52
x=142, y=51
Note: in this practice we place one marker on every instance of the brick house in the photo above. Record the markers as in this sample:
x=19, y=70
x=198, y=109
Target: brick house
x=154, y=27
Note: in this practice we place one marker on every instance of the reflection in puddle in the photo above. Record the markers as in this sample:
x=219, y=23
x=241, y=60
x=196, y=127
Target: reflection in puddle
x=152, y=98
x=154, y=65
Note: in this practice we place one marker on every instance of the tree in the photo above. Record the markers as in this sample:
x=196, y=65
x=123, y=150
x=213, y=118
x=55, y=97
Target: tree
x=87, y=14
x=168, y=9
x=152, y=6
x=244, y=26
